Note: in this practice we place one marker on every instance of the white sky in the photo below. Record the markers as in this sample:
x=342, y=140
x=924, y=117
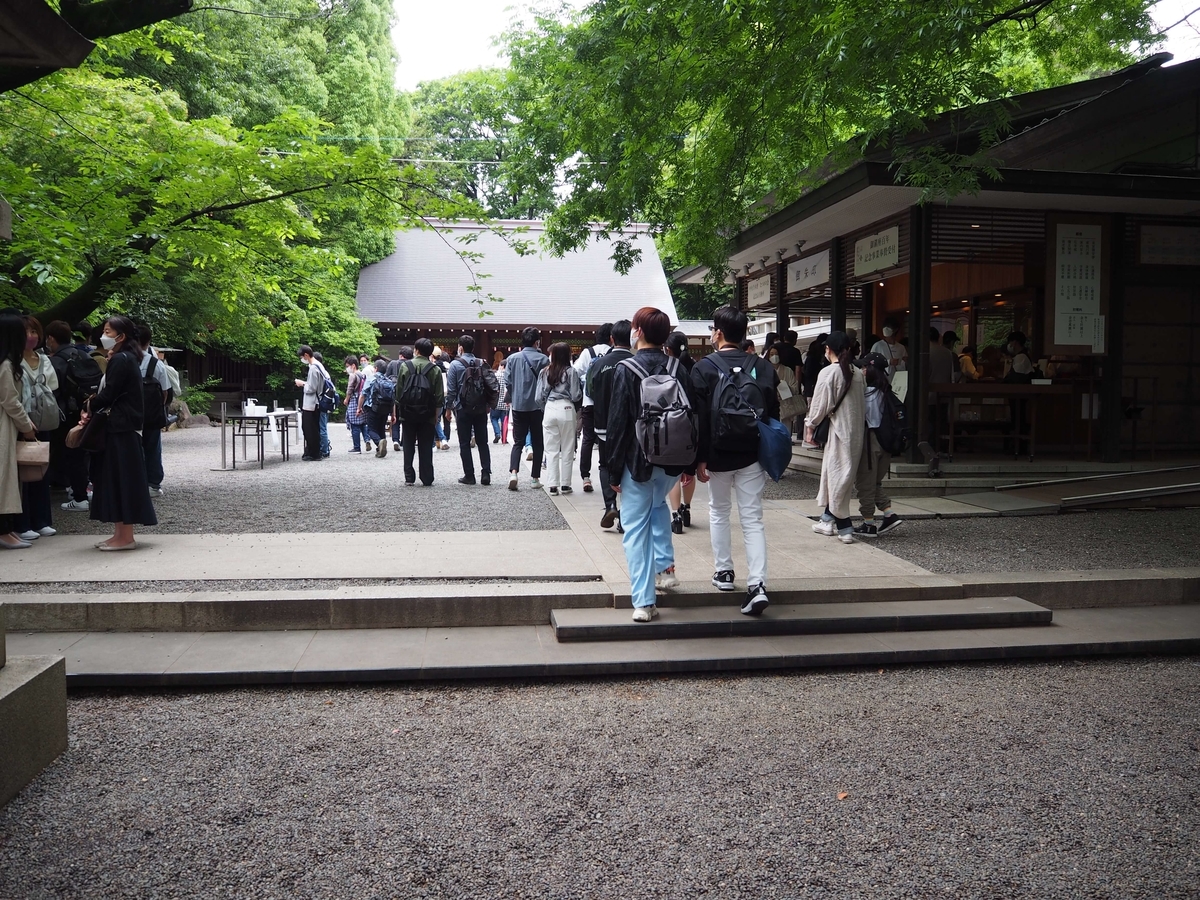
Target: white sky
x=436, y=38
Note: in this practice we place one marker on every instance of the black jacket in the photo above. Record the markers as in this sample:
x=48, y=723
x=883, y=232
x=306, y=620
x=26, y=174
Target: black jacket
x=122, y=392
x=599, y=386
x=705, y=376
x=620, y=448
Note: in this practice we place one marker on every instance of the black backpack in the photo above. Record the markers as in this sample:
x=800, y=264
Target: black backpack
x=416, y=398
x=154, y=399
x=893, y=432
x=738, y=402
x=479, y=390
x=79, y=378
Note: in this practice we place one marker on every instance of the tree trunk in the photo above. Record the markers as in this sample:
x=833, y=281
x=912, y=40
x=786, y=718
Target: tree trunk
x=85, y=299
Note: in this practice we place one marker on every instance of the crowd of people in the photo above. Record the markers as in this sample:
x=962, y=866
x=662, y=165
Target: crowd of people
x=98, y=398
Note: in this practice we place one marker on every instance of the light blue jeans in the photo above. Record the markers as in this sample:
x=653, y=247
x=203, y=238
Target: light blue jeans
x=647, y=539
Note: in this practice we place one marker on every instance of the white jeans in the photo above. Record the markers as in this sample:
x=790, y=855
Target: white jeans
x=748, y=484
x=558, y=428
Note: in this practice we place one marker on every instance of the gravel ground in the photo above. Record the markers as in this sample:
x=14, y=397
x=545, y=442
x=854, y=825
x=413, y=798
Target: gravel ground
x=1111, y=539
x=347, y=492
x=1048, y=780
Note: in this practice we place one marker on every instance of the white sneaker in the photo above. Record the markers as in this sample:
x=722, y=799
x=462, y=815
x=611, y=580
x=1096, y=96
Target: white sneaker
x=846, y=537
x=645, y=613
x=47, y=531
x=666, y=580
x=826, y=527
x=535, y=484
x=155, y=491
x=75, y=506
x=512, y=482
x=29, y=535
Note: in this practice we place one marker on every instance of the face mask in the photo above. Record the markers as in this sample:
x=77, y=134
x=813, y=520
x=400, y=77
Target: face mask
x=107, y=341
x=774, y=358
x=888, y=332
x=31, y=342
x=349, y=370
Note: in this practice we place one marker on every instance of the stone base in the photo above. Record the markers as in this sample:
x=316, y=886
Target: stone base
x=33, y=719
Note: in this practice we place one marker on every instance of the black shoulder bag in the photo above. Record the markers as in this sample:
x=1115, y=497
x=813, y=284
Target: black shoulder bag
x=821, y=432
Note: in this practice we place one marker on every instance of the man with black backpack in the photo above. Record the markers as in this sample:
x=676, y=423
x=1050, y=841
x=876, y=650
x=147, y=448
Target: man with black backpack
x=598, y=385
x=78, y=378
x=156, y=396
x=472, y=391
x=650, y=441
x=733, y=391
x=419, y=398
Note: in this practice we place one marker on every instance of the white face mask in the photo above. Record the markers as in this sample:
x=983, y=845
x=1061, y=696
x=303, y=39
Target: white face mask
x=107, y=341
x=774, y=358
x=888, y=332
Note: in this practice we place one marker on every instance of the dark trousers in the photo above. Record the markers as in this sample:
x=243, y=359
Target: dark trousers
x=418, y=439
x=395, y=429
x=526, y=422
x=310, y=426
x=589, y=440
x=35, y=506
x=152, y=451
x=610, y=496
x=476, y=425
x=377, y=427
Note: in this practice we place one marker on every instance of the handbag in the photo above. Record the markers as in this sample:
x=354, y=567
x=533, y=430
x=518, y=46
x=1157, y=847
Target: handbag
x=821, y=432
x=33, y=459
x=774, y=447
x=89, y=435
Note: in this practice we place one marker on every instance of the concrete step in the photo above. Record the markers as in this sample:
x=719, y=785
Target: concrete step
x=810, y=618
x=428, y=605
x=410, y=654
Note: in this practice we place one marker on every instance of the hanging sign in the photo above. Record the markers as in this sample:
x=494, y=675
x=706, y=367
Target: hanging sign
x=877, y=251
x=1077, y=285
x=1169, y=245
x=758, y=292
x=810, y=272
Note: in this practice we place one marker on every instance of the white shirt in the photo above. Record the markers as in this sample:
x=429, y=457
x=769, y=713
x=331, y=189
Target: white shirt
x=160, y=370
x=895, y=352
x=586, y=358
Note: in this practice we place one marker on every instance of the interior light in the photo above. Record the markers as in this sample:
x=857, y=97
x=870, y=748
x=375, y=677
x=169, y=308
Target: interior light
x=881, y=284
x=965, y=302
x=999, y=295
x=974, y=226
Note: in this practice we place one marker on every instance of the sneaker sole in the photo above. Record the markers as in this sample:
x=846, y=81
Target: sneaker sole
x=727, y=586
x=867, y=535
x=608, y=519
x=755, y=607
x=891, y=527
x=653, y=616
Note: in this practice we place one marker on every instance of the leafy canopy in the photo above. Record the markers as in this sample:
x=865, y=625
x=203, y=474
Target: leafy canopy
x=685, y=115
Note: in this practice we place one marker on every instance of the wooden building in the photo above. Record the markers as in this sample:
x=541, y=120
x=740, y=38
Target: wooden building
x=1089, y=242
x=423, y=289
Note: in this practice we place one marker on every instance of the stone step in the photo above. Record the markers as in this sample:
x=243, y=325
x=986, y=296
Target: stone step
x=429, y=605
x=809, y=618
x=413, y=654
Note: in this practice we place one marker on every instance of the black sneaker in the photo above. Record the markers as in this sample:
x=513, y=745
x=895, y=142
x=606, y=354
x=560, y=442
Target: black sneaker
x=620, y=527
x=723, y=580
x=608, y=519
x=756, y=601
x=685, y=514
x=676, y=524
x=485, y=479
x=396, y=446
x=866, y=530
x=889, y=523
x=467, y=479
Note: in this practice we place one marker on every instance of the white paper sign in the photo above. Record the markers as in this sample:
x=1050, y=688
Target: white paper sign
x=1077, y=286
x=809, y=272
x=1097, y=334
x=758, y=292
x=1073, y=328
x=877, y=251
x=1170, y=245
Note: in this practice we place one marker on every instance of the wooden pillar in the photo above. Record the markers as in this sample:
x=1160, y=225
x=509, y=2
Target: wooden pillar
x=920, y=231
x=782, y=305
x=1111, y=382
x=837, y=287
x=868, y=314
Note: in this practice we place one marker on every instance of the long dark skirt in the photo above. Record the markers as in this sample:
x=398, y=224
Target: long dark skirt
x=120, y=492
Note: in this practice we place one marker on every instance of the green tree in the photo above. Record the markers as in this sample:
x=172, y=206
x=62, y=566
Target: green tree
x=465, y=126
x=686, y=115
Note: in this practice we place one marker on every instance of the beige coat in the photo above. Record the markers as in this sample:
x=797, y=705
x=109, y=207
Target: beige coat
x=14, y=421
x=847, y=426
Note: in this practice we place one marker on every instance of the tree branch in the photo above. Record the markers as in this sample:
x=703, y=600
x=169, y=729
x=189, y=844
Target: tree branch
x=1022, y=12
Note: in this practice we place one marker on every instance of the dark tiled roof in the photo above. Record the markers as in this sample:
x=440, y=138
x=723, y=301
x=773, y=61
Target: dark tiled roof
x=425, y=282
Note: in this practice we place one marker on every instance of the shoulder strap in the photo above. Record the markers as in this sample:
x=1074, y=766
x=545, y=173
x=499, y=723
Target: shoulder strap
x=845, y=391
x=151, y=367
x=636, y=366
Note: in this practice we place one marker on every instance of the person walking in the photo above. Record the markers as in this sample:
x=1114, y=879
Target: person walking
x=121, y=494
x=380, y=399
x=725, y=384
x=420, y=394
x=641, y=482
x=599, y=385
x=499, y=415
x=14, y=424
x=875, y=461
x=838, y=396
x=156, y=386
x=586, y=413
x=356, y=412
x=471, y=391
x=403, y=355
x=521, y=371
x=679, y=499
x=310, y=422
x=560, y=392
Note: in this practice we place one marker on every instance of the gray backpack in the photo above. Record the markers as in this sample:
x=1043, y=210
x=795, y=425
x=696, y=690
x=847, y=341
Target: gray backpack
x=665, y=426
